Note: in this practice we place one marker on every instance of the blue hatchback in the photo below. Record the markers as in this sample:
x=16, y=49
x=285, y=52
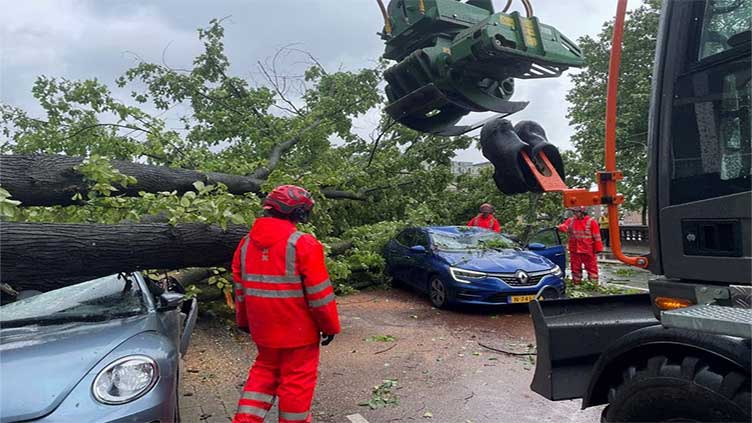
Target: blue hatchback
x=459, y=264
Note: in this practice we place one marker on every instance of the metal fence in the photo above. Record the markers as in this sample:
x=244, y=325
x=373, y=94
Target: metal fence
x=634, y=234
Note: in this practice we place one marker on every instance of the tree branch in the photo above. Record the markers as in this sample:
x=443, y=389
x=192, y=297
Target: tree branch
x=280, y=149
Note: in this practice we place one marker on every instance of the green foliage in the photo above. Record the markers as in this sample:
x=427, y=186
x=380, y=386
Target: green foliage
x=381, y=338
x=102, y=177
x=591, y=289
x=8, y=208
x=221, y=278
x=588, y=104
x=382, y=395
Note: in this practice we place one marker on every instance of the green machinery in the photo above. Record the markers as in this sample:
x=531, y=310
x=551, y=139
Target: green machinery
x=458, y=57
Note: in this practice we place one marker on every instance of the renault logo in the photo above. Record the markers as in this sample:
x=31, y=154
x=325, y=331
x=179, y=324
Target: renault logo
x=522, y=276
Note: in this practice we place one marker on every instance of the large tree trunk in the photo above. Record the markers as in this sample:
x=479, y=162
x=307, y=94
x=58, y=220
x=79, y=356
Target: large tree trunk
x=44, y=256
x=40, y=180
x=46, y=180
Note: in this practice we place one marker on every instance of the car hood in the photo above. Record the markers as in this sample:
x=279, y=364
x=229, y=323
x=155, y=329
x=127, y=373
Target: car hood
x=41, y=364
x=496, y=261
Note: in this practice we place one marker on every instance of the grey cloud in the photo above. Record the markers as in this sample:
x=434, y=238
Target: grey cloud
x=89, y=38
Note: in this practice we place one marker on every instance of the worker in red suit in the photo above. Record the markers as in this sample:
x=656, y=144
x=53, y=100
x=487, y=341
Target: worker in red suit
x=485, y=219
x=584, y=244
x=286, y=302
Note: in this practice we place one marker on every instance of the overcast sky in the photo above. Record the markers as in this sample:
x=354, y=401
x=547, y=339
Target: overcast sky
x=99, y=39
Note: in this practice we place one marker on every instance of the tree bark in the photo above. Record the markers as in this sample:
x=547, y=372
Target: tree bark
x=47, y=180
x=46, y=256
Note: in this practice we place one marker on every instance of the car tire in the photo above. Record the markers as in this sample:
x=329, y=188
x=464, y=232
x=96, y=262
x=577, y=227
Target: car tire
x=437, y=292
x=687, y=390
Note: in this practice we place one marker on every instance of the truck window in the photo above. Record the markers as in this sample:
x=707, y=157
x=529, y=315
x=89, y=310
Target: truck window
x=723, y=21
x=711, y=150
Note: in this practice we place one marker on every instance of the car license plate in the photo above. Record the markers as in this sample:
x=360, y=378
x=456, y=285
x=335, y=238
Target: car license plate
x=521, y=298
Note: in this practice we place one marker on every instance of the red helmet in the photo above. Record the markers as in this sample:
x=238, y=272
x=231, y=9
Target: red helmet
x=289, y=200
x=486, y=208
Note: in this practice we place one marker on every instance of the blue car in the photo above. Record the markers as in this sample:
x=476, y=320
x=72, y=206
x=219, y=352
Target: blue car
x=105, y=350
x=459, y=264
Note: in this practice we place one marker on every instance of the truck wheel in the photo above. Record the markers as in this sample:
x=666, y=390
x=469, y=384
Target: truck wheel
x=685, y=390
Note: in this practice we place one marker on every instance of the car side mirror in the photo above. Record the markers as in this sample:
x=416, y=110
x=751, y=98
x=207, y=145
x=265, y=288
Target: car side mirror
x=170, y=301
x=418, y=249
x=536, y=246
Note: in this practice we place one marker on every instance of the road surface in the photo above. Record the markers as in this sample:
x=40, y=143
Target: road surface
x=442, y=373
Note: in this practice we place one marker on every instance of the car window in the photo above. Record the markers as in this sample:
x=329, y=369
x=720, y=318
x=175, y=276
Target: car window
x=114, y=295
x=421, y=238
x=406, y=237
x=547, y=237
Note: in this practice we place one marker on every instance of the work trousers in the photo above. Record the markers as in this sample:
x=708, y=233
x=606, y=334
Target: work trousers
x=589, y=261
x=605, y=236
x=286, y=373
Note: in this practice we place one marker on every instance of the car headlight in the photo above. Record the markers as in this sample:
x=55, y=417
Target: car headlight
x=466, y=276
x=125, y=379
x=556, y=271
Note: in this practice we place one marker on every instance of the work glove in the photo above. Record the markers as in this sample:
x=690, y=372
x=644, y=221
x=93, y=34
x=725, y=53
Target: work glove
x=326, y=339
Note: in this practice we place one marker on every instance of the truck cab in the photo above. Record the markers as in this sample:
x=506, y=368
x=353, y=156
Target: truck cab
x=681, y=352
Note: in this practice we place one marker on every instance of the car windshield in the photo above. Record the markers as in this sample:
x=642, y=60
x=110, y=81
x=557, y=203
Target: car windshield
x=99, y=299
x=470, y=240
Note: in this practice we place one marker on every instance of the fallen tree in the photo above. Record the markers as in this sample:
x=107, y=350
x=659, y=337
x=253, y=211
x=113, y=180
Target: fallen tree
x=46, y=256
x=53, y=180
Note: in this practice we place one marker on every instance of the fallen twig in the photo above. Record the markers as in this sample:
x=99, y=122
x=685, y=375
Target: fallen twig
x=505, y=351
x=468, y=398
x=388, y=349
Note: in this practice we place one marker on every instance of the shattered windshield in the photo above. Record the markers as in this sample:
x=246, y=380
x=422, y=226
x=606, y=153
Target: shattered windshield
x=470, y=240
x=726, y=25
x=98, y=299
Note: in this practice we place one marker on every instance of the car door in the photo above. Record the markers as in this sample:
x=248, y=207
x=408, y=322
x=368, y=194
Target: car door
x=420, y=261
x=547, y=243
x=397, y=254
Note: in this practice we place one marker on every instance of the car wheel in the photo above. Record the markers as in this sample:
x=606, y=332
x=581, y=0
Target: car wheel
x=437, y=292
x=686, y=390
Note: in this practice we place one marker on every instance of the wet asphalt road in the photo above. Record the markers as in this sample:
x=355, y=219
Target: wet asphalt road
x=443, y=374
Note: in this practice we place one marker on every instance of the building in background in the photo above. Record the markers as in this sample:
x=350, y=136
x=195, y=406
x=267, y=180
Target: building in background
x=469, y=168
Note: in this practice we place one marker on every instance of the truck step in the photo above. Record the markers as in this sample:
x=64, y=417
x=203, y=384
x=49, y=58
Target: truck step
x=711, y=318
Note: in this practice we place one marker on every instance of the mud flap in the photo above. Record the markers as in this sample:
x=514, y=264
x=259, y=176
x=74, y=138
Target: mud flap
x=571, y=334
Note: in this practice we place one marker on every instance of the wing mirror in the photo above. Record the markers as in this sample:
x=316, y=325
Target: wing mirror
x=170, y=301
x=418, y=249
x=536, y=246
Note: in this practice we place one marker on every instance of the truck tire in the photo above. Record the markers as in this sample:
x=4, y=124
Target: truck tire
x=687, y=389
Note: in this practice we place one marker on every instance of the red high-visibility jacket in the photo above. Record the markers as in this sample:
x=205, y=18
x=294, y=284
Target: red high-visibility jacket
x=584, y=235
x=489, y=222
x=282, y=289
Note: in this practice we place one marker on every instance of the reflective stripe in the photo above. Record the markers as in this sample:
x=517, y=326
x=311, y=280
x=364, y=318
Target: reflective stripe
x=257, y=396
x=243, y=256
x=238, y=286
x=268, y=293
x=290, y=253
x=254, y=411
x=272, y=278
x=322, y=302
x=294, y=416
x=318, y=287
x=239, y=298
